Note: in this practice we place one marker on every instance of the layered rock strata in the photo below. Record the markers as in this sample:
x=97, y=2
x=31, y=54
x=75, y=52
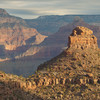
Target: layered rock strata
x=17, y=36
x=43, y=81
x=75, y=72
x=82, y=38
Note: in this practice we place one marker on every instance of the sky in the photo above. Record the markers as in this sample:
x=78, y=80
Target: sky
x=29, y=9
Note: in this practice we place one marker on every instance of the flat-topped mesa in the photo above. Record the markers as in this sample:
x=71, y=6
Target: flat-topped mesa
x=82, y=38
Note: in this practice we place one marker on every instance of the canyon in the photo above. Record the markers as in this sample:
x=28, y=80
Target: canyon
x=26, y=44
x=73, y=74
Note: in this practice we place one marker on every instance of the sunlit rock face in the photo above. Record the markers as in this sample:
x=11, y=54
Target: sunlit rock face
x=17, y=36
x=82, y=38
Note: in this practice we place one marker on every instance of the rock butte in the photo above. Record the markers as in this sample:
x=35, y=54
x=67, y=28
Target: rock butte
x=65, y=72
x=82, y=38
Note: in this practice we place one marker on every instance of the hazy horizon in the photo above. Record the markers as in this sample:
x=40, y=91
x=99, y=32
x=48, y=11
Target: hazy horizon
x=29, y=9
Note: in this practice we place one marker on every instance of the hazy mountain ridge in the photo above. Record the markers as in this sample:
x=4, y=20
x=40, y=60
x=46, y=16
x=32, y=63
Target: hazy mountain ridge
x=7, y=19
x=50, y=24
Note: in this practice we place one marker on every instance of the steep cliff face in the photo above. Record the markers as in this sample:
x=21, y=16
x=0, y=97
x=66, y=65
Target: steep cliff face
x=17, y=36
x=82, y=38
x=78, y=65
x=80, y=42
x=58, y=41
x=14, y=32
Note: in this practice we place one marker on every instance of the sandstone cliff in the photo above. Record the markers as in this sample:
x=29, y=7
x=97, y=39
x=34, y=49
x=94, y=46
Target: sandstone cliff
x=14, y=32
x=78, y=64
x=82, y=38
x=17, y=36
x=72, y=75
x=56, y=43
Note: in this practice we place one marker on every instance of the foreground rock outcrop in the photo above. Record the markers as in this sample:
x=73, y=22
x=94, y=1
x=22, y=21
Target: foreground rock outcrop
x=72, y=75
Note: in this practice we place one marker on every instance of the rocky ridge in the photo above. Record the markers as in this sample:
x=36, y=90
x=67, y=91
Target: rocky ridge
x=47, y=25
x=5, y=17
x=3, y=12
x=17, y=36
x=14, y=32
x=74, y=74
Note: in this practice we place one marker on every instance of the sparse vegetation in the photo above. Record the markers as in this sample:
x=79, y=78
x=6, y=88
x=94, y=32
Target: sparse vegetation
x=72, y=77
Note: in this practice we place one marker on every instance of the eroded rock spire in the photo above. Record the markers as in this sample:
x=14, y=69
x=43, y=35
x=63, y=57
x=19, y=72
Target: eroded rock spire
x=82, y=38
